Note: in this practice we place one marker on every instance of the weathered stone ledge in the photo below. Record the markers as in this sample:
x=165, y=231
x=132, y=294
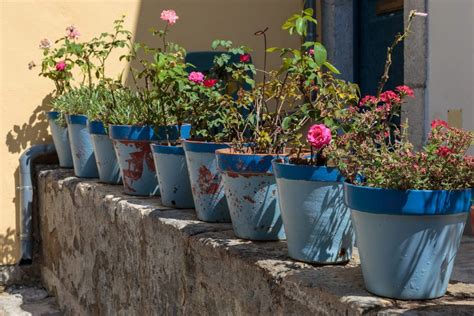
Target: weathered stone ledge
x=107, y=253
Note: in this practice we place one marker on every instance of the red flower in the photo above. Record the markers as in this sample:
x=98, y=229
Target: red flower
x=389, y=97
x=209, y=83
x=437, y=123
x=245, y=58
x=61, y=65
x=405, y=90
x=368, y=99
x=444, y=151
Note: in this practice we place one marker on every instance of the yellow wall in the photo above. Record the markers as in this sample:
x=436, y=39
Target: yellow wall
x=24, y=95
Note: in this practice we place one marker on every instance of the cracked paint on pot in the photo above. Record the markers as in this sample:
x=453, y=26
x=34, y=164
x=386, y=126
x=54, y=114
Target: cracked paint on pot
x=83, y=157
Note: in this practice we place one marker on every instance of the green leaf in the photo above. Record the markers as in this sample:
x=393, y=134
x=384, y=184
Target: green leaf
x=272, y=49
x=309, y=11
x=320, y=54
x=301, y=26
x=331, y=67
x=286, y=122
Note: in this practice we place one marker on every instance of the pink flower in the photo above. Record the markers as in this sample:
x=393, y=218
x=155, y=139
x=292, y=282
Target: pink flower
x=405, y=90
x=209, y=83
x=389, y=97
x=311, y=51
x=45, y=43
x=72, y=32
x=245, y=58
x=169, y=16
x=61, y=65
x=319, y=136
x=368, y=99
x=444, y=151
x=196, y=77
x=437, y=123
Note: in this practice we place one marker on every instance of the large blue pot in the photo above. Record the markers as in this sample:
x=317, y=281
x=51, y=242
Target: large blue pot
x=317, y=223
x=206, y=181
x=173, y=177
x=132, y=146
x=407, y=240
x=61, y=140
x=81, y=147
x=106, y=159
x=251, y=193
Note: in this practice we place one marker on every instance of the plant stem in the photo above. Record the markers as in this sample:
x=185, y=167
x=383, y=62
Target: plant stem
x=388, y=62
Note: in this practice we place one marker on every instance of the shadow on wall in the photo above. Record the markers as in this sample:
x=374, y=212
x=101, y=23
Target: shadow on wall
x=35, y=131
x=8, y=251
x=17, y=140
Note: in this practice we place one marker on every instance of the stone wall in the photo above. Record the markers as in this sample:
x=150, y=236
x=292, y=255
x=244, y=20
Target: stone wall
x=110, y=254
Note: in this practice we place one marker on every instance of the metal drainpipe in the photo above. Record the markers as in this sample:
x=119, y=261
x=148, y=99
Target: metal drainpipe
x=26, y=196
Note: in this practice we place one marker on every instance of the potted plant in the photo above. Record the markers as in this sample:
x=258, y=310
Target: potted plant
x=209, y=111
x=310, y=187
x=408, y=207
x=56, y=67
x=110, y=92
x=73, y=105
x=268, y=127
x=147, y=118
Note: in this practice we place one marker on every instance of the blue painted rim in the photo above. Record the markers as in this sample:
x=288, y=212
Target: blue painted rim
x=76, y=119
x=97, y=128
x=53, y=115
x=170, y=150
x=305, y=172
x=203, y=147
x=228, y=161
x=409, y=202
x=132, y=132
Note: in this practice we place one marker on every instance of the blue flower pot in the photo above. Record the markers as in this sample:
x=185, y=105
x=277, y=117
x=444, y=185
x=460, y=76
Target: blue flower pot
x=251, y=193
x=106, y=159
x=81, y=147
x=317, y=223
x=173, y=177
x=61, y=140
x=132, y=146
x=407, y=240
x=206, y=182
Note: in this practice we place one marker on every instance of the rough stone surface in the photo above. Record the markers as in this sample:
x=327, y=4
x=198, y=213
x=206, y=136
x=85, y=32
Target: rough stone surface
x=27, y=301
x=107, y=253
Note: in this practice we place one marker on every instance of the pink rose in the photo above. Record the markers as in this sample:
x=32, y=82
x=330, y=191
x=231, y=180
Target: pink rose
x=405, y=90
x=196, y=77
x=437, y=123
x=61, y=65
x=169, y=16
x=311, y=51
x=245, y=58
x=72, y=32
x=319, y=136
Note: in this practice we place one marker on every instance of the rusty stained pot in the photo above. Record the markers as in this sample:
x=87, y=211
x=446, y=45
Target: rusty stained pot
x=251, y=192
x=81, y=147
x=173, y=177
x=206, y=181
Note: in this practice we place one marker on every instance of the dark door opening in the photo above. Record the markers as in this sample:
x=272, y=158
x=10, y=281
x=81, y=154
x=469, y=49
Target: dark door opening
x=378, y=22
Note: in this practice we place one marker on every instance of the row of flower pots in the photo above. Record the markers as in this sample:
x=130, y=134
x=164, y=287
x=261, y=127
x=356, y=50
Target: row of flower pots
x=407, y=239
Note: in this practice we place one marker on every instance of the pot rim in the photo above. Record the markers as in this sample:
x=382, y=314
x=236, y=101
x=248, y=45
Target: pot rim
x=406, y=202
x=289, y=171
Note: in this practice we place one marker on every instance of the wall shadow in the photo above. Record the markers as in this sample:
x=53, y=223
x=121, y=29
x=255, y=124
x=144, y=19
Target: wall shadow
x=8, y=251
x=17, y=140
x=35, y=131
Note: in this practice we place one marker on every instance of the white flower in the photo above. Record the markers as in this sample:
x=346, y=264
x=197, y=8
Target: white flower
x=45, y=43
